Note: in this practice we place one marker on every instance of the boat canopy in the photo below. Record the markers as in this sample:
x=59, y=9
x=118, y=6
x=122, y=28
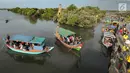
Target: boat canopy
x=37, y=40
x=115, y=22
x=21, y=38
x=109, y=34
x=65, y=32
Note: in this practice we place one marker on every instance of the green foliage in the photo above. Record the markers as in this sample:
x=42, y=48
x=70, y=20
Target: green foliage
x=71, y=7
x=82, y=17
x=72, y=19
x=48, y=13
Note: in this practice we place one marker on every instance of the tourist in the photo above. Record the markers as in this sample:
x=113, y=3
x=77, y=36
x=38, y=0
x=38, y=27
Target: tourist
x=75, y=43
x=14, y=46
x=68, y=40
x=63, y=38
x=73, y=39
x=106, y=30
x=128, y=62
x=27, y=46
x=125, y=49
x=32, y=46
x=44, y=46
x=121, y=31
x=80, y=38
x=17, y=43
x=21, y=46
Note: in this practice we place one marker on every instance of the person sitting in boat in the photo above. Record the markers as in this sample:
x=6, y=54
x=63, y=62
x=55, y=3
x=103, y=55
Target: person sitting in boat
x=110, y=42
x=68, y=40
x=21, y=46
x=27, y=46
x=80, y=38
x=17, y=43
x=106, y=30
x=14, y=46
x=32, y=46
x=63, y=39
x=8, y=39
x=71, y=39
x=44, y=46
x=46, y=49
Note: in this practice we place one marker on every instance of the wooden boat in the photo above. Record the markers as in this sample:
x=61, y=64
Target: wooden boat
x=64, y=33
x=37, y=49
x=108, y=35
x=112, y=26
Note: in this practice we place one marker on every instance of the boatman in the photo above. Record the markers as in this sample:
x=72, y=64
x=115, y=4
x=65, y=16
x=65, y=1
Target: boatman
x=8, y=39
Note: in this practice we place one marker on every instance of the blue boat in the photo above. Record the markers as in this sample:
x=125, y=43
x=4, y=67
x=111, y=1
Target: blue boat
x=37, y=49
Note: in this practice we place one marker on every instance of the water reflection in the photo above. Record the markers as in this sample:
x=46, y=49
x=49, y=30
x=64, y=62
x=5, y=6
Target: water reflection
x=32, y=20
x=26, y=58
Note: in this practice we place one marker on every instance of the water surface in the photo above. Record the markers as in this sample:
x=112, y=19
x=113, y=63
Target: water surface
x=60, y=60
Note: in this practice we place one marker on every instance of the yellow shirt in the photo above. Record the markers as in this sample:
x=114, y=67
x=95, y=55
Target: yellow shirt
x=124, y=48
x=128, y=58
x=125, y=37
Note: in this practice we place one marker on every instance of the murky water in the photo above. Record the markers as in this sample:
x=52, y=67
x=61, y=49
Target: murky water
x=59, y=60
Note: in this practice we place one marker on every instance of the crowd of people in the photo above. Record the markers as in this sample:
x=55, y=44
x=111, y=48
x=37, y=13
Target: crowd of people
x=111, y=28
x=124, y=32
x=22, y=45
x=19, y=45
x=122, y=53
x=71, y=40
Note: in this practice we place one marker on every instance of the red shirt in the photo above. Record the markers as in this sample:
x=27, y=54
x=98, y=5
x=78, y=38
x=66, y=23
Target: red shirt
x=121, y=31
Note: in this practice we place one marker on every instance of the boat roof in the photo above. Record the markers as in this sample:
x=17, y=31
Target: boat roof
x=37, y=40
x=65, y=32
x=115, y=22
x=30, y=39
x=109, y=34
x=22, y=38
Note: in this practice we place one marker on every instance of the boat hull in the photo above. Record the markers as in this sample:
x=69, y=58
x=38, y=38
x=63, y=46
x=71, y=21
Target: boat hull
x=28, y=52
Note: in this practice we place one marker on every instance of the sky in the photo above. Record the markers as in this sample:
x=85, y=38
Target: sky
x=103, y=4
